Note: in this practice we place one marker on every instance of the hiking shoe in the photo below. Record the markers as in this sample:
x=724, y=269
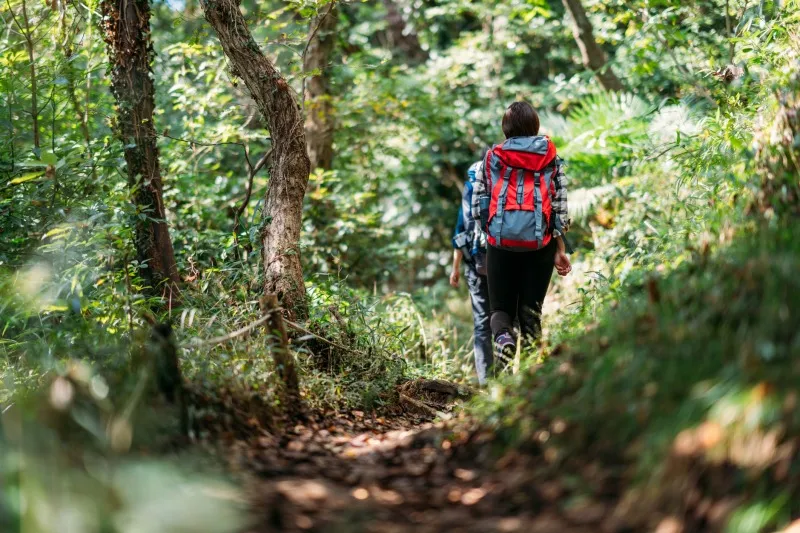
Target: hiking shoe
x=506, y=348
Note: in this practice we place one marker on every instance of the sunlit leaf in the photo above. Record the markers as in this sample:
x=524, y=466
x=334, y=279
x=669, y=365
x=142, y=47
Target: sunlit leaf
x=30, y=176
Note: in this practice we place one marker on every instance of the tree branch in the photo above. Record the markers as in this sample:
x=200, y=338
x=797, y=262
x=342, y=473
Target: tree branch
x=251, y=173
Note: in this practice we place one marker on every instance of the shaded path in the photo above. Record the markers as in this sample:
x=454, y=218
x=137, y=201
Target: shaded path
x=358, y=473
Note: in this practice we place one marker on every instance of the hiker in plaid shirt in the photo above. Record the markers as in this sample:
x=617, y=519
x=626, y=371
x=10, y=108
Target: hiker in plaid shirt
x=469, y=249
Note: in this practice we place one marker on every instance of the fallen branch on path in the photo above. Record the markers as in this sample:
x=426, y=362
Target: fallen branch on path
x=233, y=334
x=196, y=342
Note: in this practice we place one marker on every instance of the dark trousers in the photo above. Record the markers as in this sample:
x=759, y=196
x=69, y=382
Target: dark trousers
x=479, y=295
x=518, y=283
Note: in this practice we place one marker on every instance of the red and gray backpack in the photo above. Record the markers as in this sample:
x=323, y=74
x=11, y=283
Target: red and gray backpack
x=519, y=176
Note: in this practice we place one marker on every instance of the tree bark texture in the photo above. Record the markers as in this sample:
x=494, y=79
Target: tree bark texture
x=126, y=30
x=283, y=205
x=593, y=56
x=400, y=36
x=282, y=356
x=318, y=103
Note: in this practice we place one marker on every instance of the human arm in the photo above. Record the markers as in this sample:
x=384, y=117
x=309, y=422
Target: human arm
x=562, y=262
x=561, y=211
x=455, y=271
x=458, y=255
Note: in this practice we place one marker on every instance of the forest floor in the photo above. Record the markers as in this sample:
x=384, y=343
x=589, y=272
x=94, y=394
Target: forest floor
x=399, y=472
x=357, y=473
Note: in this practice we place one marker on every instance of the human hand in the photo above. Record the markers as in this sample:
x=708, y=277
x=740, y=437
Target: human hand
x=454, y=277
x=563, y=266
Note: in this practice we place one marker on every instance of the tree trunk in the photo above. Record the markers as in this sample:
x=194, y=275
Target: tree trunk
x=282, y=356
x=400, y=36
x=319, y=108
x=27, y=33
x=126, y=30
x=283, y=205
x=66, y=40
x=593, y=57
x=778, y=154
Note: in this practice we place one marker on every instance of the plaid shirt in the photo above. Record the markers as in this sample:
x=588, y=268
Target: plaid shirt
x=560, y=206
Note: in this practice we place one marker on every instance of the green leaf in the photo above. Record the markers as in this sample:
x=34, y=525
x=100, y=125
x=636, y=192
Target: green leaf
x=55, y=232
x=54, y=308
x=26, y=177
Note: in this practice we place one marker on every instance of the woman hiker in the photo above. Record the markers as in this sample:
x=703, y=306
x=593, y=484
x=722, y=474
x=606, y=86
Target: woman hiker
x=521, y=200
x=469, y=247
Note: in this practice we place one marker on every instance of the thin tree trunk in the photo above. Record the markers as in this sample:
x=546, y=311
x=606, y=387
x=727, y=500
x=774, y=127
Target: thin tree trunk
x=27, y=33
x=126, y=25
x=89, y=40
x=283, y=205
x=729, y=31
x=778, y=155
x=281, y=355
x=88, y=85
x=497, y=76
x=593, y=56
x=77, y=107
x=401, y=37
x=319, y=110
x=64, y=45
x=318, y=104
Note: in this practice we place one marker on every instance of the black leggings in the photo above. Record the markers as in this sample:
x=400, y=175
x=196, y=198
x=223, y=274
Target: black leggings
x=518, y=283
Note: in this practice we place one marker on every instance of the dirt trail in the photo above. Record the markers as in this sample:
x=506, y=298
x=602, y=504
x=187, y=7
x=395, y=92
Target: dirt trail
x=355, y=472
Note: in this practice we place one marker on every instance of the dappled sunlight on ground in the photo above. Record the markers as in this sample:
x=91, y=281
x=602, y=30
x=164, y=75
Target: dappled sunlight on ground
x=402, y=473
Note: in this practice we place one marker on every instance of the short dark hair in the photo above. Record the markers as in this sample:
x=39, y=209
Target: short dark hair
x=520, y=120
